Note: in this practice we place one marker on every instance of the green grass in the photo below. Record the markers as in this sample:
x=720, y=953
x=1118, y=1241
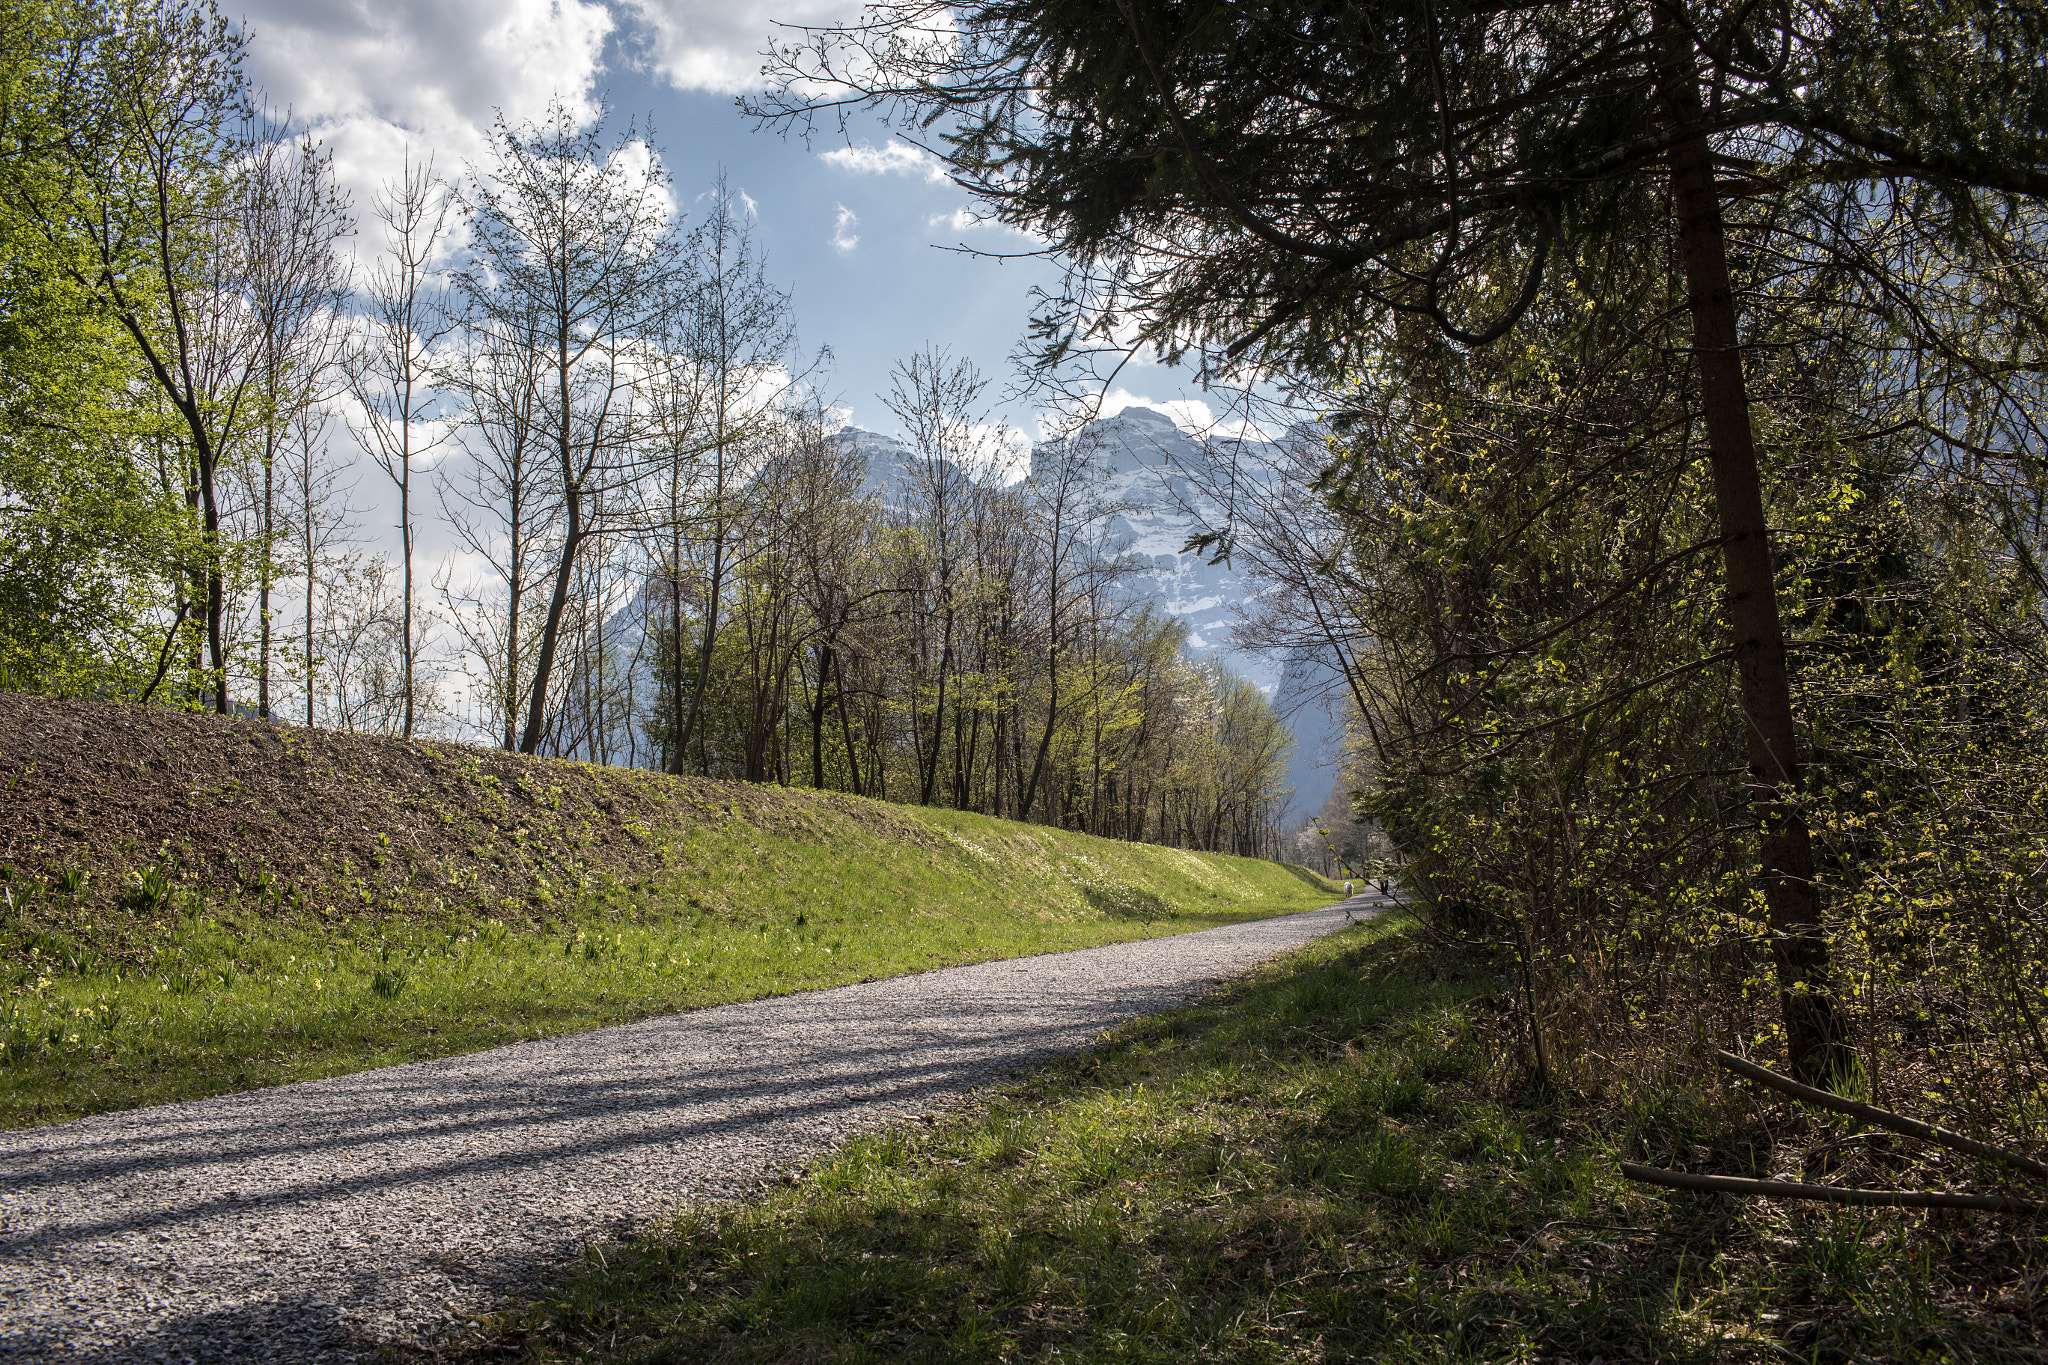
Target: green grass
x=1327, y=1162
x=198, y=991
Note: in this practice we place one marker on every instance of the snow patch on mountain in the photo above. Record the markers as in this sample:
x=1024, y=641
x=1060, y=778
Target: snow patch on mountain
x=1156, y=477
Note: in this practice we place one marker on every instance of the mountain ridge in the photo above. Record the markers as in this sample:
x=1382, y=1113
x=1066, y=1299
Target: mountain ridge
x=1152, y=472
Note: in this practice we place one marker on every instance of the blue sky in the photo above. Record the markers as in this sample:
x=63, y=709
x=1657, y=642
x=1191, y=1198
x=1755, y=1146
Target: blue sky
x=855, y=234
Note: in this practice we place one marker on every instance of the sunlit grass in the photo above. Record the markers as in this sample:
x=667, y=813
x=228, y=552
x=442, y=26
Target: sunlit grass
x=228, y=992
x=1324, y=1163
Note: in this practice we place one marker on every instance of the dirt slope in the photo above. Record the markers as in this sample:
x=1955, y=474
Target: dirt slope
x=327, y=824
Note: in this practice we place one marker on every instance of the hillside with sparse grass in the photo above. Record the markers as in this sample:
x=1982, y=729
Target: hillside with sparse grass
x=194, y=905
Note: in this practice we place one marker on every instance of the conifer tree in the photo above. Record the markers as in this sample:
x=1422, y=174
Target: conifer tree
x=1268, y=187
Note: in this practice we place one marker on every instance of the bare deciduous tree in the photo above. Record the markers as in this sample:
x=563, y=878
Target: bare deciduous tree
x=574, y=240
x=292, y=215
x=391, y=370
x=734, y=337
x=499, y=502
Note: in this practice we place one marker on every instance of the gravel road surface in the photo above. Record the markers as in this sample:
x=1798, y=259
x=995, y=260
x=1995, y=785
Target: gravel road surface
x=314, y=1222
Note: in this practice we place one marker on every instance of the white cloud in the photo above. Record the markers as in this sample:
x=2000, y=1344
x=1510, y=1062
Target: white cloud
x=640, y=166
x=1006, y=448
x=435, y=67
x=716, y=45
x=753, y=208
x=893, y=157
x=373, y=76
x=843, y=238
x=1191, y=415
x=965, y=219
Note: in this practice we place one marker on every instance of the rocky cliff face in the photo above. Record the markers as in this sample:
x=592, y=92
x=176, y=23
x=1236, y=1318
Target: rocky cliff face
x=1139, y=465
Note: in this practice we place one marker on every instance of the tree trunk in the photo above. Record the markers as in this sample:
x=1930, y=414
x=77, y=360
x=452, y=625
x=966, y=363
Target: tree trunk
x=818, y=721
x=930, y=775
x=713, y=590
x=678, y=737
x=572, y=544
x=310, y=584
x=216, y=586
x=1815, y=1036
x=515, y=595
x=1028, y=797
x=551, y=627
x=405, y=548
x=264, y=569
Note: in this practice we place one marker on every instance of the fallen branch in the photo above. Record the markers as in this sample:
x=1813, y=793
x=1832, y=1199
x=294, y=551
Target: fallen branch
x=1883, y=1118
x=1829, y=1194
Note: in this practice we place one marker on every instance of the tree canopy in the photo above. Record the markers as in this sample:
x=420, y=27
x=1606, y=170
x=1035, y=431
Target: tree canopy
x=1275, y=189
x=1274, y=181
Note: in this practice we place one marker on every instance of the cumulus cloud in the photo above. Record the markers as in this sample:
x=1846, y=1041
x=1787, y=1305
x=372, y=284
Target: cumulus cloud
x=964, y=219
x=1007, y=449
x=437, y=67
x=843, y=238
x=639, y=165
x=716, y=45
x=894, y=157
x=375, y=77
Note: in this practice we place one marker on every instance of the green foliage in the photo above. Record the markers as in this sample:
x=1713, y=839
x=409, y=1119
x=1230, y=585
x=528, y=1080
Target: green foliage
x=90, y=529
x=154, y=887
x=1139, y=742
x=1561, y=758
x=1287, y=182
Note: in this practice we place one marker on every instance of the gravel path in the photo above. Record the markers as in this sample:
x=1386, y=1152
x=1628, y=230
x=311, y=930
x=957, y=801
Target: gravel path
x=312, y=1222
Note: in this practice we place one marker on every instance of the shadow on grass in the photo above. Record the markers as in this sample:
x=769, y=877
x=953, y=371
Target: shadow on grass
x=1323, y=1162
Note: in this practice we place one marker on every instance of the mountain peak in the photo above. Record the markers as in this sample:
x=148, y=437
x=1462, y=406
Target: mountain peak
x=1146, y=417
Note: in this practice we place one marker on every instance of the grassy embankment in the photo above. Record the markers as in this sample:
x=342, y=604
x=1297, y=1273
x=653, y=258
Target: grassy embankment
x=285, y=905
x=1335, y=1160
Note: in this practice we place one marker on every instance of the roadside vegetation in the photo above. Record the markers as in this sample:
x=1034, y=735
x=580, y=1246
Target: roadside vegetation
x=1342, y=1157
x=1668, y=386
x=374, y=901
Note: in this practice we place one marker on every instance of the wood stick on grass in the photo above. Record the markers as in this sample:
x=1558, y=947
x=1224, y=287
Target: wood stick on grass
x=1883, y=1118
x=1829, y=1194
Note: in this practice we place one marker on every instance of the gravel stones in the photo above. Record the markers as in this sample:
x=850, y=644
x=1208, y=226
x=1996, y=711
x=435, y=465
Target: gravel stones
x=320, y=1221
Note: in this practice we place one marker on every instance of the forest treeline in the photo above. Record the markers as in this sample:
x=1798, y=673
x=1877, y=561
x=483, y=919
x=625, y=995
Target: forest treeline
x=1678, y=511
x=664, y=554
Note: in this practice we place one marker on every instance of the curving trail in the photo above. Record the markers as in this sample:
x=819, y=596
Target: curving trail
x=315, y=1222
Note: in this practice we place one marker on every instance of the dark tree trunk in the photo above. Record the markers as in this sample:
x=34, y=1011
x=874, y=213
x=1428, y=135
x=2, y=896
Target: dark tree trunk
x=1816, y=1038
x=817, y=719
x=551, y=626
x=714, y=590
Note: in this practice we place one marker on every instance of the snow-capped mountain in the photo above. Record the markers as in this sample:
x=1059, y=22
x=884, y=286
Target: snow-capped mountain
x=888, y=460
x=1147, y=468
x=1151, y=476
x=1156, y=479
